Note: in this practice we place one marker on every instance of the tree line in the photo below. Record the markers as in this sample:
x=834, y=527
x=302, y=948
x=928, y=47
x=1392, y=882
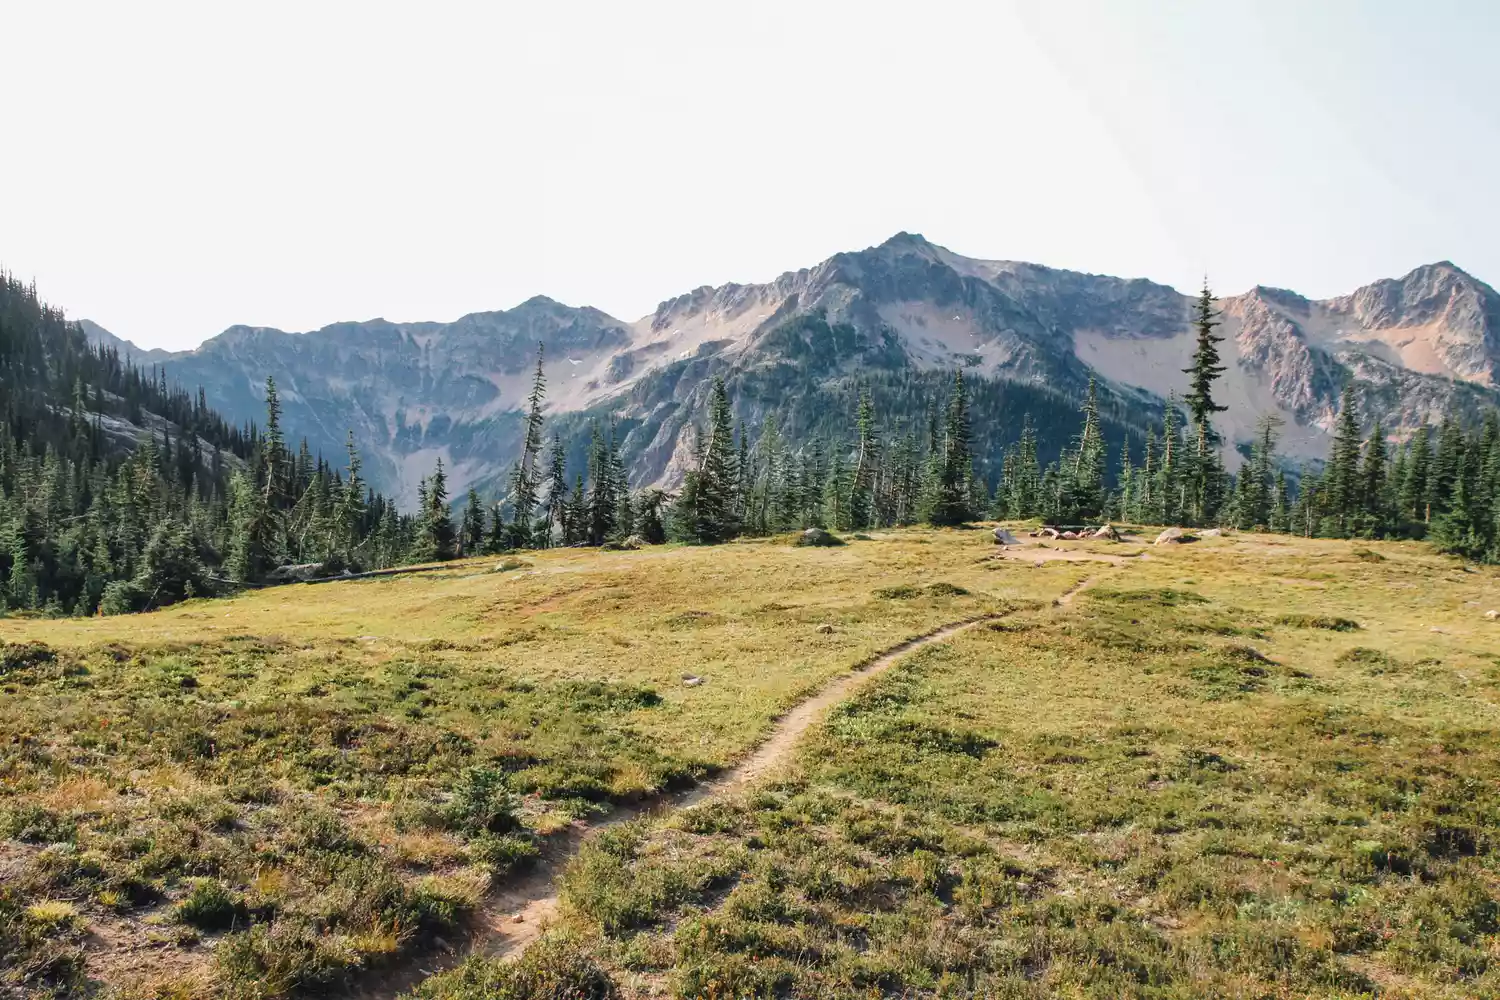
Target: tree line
x=1441, y=483
x=94, y=520
x=199, y=506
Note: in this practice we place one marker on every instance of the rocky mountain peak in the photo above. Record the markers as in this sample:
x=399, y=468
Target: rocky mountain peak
x=414, y=392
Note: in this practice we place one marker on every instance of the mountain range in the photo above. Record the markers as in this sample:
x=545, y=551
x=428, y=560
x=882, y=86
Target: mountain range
x=897, y=316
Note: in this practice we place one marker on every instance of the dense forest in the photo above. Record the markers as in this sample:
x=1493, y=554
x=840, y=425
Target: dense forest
x=119, y=493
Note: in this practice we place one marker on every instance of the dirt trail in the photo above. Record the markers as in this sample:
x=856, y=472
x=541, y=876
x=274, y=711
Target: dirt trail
x=517, y=915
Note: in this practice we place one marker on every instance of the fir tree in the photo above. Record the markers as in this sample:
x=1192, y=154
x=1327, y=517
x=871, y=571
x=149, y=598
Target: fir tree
x=713, y=499
x=436, y=537
x=950, y=499
x=473, y=532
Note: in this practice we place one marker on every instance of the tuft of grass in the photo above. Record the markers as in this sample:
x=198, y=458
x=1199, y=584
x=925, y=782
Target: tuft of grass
x=210, y=906
x=555, y=968
x=1332, y=623
x=50, y=915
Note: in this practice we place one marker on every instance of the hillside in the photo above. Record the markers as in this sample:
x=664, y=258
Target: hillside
x=1416, y=347
x=1130, y=777
x=121, y=493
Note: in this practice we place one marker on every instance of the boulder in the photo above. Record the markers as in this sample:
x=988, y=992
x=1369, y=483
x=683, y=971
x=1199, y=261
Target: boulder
x=1107, y=532
x=1211, y=533
x=1003, y=537
x=1050, y=533
x=295, y=573
x=1069, y=535
x=1492, y=615
x=1175, y=536
x=818, y=537
x=633, y=542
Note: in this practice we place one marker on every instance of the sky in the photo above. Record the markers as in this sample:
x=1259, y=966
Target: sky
x=173, y=169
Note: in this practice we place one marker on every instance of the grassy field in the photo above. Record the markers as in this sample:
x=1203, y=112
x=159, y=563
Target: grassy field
x=285, y=789
x=1251, y=767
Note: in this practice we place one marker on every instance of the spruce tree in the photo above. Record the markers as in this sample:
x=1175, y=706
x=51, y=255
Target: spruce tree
x=525, y=480
x=862, y=488
x=950, y=498
x=473, y=532
x=349, y=516
x=713, y=500
x=1341, y=481
x=1205, y=369
x=557, y=492
x=436, y=537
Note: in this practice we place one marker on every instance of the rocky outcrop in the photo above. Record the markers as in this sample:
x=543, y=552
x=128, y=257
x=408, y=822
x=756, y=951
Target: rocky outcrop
x=415, y=392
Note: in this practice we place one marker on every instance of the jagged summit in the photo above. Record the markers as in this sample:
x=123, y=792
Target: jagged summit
x=418, y=391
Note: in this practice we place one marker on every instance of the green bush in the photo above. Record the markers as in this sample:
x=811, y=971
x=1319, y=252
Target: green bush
x=210, y=906
x=482, y=803
x=1330, y=622
x=551, y=969
x=121, y=597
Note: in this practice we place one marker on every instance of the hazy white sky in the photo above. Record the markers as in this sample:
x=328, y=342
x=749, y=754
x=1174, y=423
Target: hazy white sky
x=171, y=169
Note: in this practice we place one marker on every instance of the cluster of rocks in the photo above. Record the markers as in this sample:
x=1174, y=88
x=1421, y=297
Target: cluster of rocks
x=1108, y=532
x=1179, y=536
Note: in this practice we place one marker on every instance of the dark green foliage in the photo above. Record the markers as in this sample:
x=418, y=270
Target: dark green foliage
x=210, y=906
x=554, y=968
x=949, y=491
x=1331, y=623
x=482, y=803
x=88, y=524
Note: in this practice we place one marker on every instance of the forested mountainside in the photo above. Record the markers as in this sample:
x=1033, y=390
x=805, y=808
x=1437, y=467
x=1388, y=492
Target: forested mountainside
x=120, y=491
x=894, y=317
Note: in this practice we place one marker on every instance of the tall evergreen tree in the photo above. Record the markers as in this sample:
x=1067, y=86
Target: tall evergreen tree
x=950, y=500
x=525, y=480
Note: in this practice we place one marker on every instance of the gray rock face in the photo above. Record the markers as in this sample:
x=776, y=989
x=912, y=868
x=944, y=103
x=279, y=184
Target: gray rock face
x=414, y=392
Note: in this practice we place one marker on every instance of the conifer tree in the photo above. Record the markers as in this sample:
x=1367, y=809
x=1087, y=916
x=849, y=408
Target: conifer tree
x=349, y=517
x=1342, y=482
x=557, y=491
x=473, y=524
x=525, y=478
x=436, y=537
x=710, y=493
x=862, y=488
x=950, y=498
x=1205, y=369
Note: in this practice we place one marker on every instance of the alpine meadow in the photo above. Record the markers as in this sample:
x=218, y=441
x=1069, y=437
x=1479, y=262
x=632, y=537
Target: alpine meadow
x=503, y=501
x=790, y=726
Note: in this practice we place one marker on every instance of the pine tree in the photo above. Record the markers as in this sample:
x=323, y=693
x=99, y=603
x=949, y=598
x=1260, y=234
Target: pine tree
x=473, y=524
x=950, y=498
x=557, y=491
x=525, y=480
x=1083, y=473
x=1342, y=482
x=1414, y=494
x=1206, y=471
x=713, y=499
x=862, y=486
x=602, y=504
x=1375, y=509
x=436, y=537
x=1025, y=496
x=349, y=516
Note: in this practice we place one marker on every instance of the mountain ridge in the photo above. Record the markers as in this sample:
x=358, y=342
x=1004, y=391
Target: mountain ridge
x=413, y=392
